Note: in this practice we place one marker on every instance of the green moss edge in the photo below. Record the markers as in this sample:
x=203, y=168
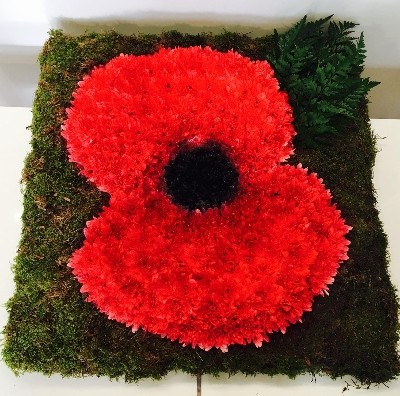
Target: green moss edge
x=51, y=329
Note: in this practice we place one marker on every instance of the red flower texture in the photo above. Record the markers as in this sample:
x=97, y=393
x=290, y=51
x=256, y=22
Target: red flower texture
x=208, y=238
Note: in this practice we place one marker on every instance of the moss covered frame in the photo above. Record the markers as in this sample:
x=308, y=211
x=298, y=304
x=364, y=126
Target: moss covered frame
x=51, y=329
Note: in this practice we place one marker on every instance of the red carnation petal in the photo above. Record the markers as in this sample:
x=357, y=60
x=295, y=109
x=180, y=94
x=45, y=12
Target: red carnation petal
x=226, y=276
x=126, y=114
x=221, y=277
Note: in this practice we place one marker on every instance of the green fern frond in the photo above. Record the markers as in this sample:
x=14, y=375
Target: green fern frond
x=318, y=64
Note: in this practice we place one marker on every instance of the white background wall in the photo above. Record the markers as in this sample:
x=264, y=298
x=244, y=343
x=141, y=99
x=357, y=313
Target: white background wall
x=24, y=25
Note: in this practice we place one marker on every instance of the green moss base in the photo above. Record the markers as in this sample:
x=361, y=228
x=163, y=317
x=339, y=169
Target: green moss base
x=51, y=329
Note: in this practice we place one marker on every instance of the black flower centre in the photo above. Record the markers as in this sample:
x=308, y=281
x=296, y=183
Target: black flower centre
x=201, y=177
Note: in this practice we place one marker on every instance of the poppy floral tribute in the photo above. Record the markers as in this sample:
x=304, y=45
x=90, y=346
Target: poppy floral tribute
x=209, y=238
x=175, y=216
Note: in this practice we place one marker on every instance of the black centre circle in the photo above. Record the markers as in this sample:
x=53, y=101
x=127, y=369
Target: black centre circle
x=201, y=177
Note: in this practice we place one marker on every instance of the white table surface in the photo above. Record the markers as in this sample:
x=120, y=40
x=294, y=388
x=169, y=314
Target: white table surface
x=15, y=146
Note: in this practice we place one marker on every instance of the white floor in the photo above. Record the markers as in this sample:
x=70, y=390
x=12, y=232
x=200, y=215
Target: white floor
x=15, y=145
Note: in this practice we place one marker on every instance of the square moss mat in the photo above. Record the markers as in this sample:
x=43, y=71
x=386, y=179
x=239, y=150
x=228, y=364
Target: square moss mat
x=51, y=329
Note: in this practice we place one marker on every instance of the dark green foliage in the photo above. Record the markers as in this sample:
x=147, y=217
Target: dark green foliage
x=52, y=329
x=319, y=66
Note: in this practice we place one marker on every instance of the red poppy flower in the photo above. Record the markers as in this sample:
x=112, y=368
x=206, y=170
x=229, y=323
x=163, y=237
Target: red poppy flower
x=208, y=239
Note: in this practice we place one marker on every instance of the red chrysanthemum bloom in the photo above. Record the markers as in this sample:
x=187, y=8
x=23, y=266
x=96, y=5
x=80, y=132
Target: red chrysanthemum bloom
x=205, y=272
